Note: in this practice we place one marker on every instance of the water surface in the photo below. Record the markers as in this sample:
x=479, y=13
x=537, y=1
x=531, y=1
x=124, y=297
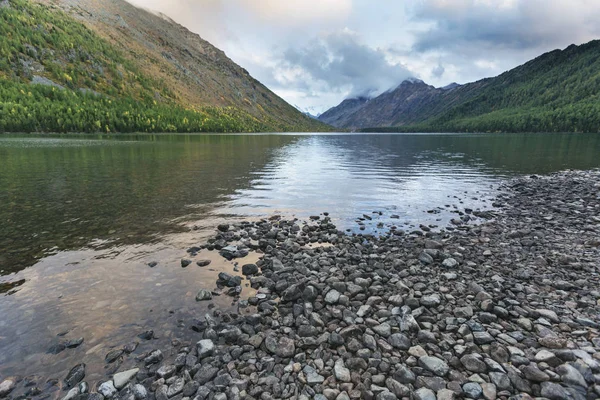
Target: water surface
x=81, y=216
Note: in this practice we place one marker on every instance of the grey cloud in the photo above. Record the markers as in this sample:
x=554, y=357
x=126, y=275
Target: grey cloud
x=438, y=70
x=340, y=62
x=518, y=25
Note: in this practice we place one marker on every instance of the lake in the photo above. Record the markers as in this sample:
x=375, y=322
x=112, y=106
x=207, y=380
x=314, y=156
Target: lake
x=82, y=216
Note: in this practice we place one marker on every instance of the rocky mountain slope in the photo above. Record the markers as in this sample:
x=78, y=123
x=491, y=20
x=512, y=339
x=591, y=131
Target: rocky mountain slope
x=114, y=50
x=340, y=115
x=558, y=91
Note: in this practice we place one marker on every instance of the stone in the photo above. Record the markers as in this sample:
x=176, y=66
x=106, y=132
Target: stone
x=552, y=342
x=472, y=390
x=397, y=388
x=571, y=376
x=166, y=371
x=205, y=347
x=139, y=392
x=432, y=300
x=190, y=388
x=71, y=394
x=154, y=357
x=473, y=363
x=424, y=394
x=73, y=343
x=203, y=263
x=554, y=391
x=283, y=347
x=176, y=387
x=223, y=227
x=341, y=372
x=147, y=335
x=463, y=312
x=312, y=377
x=185, y=262
x=332, y=297
x=249, y=269
x=107, y=389
x=400, y=341
x=482, y=338
x=228, y=280
x=434, y=365
x=425, y=258
x=7, y=386
x=450, y=263
x=385, y=395
x=205, y=374
x=75, y=375
x=122, y=378
x=417, y=351
x=383, y=329
x=549, y=315
x=113, y=355
x=533, y=373
x=489, y=391
x=445, y=394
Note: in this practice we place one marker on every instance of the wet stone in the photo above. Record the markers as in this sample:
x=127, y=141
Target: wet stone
x=75, y=375
x=203, y=295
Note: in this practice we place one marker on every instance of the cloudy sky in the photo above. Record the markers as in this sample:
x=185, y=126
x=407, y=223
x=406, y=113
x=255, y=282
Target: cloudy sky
x=315, y=53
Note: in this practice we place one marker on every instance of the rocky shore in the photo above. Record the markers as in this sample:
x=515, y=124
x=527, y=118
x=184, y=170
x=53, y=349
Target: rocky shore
x=506, y=307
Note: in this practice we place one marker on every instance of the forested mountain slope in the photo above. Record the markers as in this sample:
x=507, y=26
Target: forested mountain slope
x=106, y=66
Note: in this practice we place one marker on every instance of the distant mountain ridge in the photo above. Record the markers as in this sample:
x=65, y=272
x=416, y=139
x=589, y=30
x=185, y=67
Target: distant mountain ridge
x=143, y=71
x=557, y=91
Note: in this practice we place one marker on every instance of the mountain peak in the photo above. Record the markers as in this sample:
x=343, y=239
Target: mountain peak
x=451, y=86
x=412, y=80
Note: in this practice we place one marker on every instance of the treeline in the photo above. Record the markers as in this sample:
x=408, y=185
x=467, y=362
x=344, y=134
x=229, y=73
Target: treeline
x=39, y=108
x=579, y=117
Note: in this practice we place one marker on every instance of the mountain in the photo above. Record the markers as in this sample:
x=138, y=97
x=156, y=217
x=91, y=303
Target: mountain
x=105, y=65
x=557, y=91
x=339, y=116
x=399, y=106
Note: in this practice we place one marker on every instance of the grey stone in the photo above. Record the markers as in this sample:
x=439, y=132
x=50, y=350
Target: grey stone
x=424, y=394
x=107, y=389
x=434, y=365
x=205, y=348
x=122, y=378
x=176, y=387
x=205, y=374
x=399, y=341
x=332, y=297
x=139, y=392
x=75, y=375
x=571, y=376
x=450, y=263
x=554, y=391
x=472, y=390
x=473, y=363
x=203, y=295
x=7, y=386
x=341, y=372
x=432, y=300
x=312, y=377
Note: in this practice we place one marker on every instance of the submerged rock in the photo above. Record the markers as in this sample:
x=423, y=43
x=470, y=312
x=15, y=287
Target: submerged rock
x=203, y=294
x=75, y=375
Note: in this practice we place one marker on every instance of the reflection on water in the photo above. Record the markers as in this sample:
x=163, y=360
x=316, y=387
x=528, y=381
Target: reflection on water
x=88, y=213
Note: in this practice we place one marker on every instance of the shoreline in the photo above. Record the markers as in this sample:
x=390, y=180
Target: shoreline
x=504, y=308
